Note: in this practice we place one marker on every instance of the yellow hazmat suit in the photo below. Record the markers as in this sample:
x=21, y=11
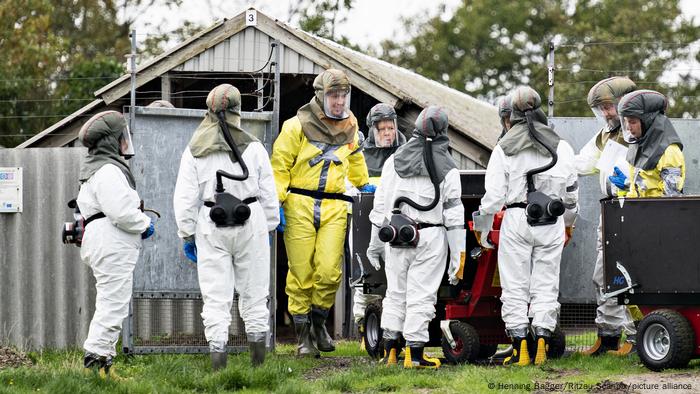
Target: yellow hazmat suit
x=315, y=229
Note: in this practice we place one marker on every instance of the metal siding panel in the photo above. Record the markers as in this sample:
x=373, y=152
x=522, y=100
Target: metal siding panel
x=219, y=56
x=236, y=64
x=249, y=51
x=47, y=294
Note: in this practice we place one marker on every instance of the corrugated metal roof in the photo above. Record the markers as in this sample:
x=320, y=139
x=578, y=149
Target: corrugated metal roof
x=231, y=46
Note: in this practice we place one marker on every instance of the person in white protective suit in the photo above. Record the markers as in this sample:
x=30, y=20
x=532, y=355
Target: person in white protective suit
x=383, y=139
x=528, y=256
x=114, y=228
x=423, y=172
x=611, y=319
x=229, y=254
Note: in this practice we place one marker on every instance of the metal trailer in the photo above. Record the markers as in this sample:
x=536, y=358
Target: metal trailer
x=648, y=246
x=468, y=322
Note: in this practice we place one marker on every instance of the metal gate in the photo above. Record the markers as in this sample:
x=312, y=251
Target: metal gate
x=166, y=305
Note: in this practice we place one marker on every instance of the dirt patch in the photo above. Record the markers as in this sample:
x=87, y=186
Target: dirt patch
x=664, y=383
x=10, y=358
x=332, y=365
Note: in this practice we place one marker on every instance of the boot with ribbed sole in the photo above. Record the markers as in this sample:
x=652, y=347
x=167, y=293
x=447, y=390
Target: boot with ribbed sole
x=520, y=356
x=415, y=358
x=391, y=352
x=603, y=344
x=628, y=347
x=542, y=346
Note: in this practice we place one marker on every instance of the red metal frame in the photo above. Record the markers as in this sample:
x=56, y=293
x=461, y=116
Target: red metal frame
x=480, y=305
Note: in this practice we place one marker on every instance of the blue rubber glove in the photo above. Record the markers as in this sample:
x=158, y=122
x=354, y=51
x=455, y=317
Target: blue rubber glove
x=149, y=231
x=618, y=179
x=367, y=188
x=283, y=221
x=190, y=249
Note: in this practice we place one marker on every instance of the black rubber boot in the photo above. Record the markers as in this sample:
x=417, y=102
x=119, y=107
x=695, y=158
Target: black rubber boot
x=319, y=332
x=97, y=364
x=542, y=347
x=391, y=352
x=602, y=345
x=218, y=360
x=257, y=353
x=305, y=346
x=415, y=358
x=520, y=356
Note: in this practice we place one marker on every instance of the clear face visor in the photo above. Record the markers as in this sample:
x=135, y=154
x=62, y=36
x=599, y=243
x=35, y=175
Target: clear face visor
x=631, y=128
x=126, y=146
x=385, y=133
x=606, y=114
x=336, y=103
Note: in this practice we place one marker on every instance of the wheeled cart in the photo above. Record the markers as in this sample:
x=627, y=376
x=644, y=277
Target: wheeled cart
x=651, y=260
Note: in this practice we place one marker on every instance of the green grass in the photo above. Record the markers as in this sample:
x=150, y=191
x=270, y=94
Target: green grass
x=347, y=370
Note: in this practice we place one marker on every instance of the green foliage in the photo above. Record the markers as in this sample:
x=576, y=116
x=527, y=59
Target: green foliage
x=320, y=17
x=282, y=372
x=488, y=47
x=56, y=54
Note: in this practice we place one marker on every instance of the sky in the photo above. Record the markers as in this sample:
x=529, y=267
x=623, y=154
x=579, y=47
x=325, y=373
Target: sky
x=384, y=16
x=368, y=23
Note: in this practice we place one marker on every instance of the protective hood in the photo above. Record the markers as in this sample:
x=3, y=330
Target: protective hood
x=408, y=159
x=101, y=134
x=375, y=156
x=504, y=110
x=609, y=92
x=518, y=137
x=209, y=138
x=316, y=124
x=657, y=131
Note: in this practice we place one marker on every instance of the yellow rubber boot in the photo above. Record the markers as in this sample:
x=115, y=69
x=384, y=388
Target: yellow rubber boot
x=627, y=348
x=391, y=352
x=542, y=348
x=602, y=345
x=415, y=358
x=520, y=356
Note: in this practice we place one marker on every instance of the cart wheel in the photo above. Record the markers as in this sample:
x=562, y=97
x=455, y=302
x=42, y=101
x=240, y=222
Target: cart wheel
x=557, y=344
x=467, y=343
x=486, y=350
x=665, y=340
x=373, y=330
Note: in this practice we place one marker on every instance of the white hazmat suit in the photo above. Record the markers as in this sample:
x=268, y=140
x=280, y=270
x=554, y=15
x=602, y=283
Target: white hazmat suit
x=529, y=256
x=229, y=257
x=111, y=247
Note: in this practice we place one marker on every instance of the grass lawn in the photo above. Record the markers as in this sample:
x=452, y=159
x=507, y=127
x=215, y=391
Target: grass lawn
x=346, y=370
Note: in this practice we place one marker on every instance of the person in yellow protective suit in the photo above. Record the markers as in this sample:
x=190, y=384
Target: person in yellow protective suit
x=314, y=153
x=611, y=319
x=657, y=164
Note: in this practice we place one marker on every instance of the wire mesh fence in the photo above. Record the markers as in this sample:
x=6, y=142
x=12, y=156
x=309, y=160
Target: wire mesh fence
x=170, y=322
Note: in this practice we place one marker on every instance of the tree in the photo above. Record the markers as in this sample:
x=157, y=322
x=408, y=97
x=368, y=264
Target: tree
x=488, y=47
x=320, y=17
x=55, y=55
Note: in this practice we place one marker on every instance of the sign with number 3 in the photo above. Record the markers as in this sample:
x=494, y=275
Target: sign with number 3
x=251, y=17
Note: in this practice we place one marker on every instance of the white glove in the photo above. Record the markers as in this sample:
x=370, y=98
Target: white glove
x=457, y=240
x=482, y=225
x=375, y=250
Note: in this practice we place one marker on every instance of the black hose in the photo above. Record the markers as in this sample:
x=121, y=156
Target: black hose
x=533, y=134
x=430, y=165
x=229, y=141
